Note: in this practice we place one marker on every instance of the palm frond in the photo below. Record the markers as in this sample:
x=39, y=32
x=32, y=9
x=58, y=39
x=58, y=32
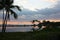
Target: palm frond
x=1, y=7
x=16, y=7
x=8, y=2
x=8, y=16
x=14, y=14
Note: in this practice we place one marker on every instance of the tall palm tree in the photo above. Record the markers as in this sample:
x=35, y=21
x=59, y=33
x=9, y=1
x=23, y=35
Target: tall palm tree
x=7, y=4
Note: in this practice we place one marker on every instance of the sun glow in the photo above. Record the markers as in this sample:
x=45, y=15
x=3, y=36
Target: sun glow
x=26, y=22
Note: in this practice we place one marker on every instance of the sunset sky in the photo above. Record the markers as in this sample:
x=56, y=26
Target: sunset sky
x=36, y=9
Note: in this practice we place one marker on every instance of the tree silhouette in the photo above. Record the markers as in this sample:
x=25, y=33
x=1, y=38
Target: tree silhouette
x=35, y=21
x=7, y=5
x=39, y=24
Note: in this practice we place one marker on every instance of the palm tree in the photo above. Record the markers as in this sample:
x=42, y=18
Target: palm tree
x=7, y=4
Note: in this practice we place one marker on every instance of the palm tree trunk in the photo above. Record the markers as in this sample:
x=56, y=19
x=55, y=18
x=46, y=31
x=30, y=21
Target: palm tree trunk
x=4, y=22
x=6, y=18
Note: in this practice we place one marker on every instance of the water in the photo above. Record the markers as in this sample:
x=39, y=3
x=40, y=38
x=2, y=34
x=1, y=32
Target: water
x=18, y=29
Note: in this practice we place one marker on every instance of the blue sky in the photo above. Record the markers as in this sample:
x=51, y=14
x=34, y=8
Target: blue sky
x=37, y=9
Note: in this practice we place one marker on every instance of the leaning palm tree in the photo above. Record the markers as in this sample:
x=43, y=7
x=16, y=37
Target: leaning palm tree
x=7, y=5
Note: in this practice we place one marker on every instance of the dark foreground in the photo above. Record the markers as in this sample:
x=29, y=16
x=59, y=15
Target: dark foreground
x=47, y=34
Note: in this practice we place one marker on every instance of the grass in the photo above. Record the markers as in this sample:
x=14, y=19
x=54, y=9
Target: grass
x=47, y=34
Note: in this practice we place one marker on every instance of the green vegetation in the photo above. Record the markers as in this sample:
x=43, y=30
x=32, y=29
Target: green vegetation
x=46, y=34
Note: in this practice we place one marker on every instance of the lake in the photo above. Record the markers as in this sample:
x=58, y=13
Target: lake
x=19, y=29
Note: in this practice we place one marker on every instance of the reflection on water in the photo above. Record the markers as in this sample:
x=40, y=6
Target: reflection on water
x=18, y=29
x=22, y=29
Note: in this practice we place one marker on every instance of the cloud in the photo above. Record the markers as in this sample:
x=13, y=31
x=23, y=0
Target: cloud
x=22, y=17
x=51, y=13
x=53, y=1
x=47, y=13
x=40, y=14
x=1, y=14
x=17, y=2
x=35, y=4
x=55, y=16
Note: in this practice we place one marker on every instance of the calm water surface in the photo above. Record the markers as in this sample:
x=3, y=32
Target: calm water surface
x=18, y=29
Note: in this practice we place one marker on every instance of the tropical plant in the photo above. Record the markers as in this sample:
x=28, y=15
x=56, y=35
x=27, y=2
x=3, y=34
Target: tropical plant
x=7, y=5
